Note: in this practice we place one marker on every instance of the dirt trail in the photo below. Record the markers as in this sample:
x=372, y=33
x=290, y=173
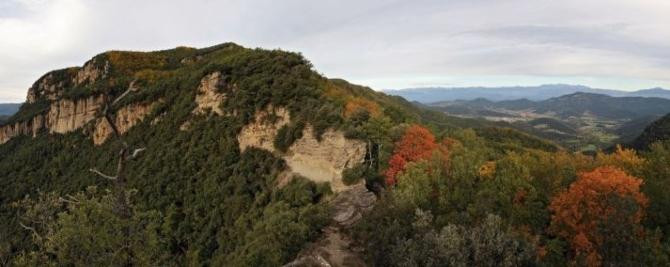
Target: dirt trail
x=334, y=248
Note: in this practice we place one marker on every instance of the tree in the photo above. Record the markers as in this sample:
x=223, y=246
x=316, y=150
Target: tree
x=626, y=159
x=84, y=230
x=656, y=173
x=490, y=243
x=603, y=207
x=91, y=229
x=417, y=143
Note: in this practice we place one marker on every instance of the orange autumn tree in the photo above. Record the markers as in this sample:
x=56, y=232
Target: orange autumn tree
x=416, y=144
x=599, y=201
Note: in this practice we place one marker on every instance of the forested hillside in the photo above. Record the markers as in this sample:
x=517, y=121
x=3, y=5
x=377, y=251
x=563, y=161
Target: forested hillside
x=579, y=121
x=657, y=131
x=216, y=157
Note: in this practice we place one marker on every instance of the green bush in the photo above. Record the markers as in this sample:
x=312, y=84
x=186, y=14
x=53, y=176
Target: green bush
x=288, y=134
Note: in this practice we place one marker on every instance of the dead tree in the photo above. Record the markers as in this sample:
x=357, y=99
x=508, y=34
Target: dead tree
x=124, y=155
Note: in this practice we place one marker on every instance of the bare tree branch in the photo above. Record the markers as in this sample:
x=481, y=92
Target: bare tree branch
x=102, y=174
x=31, y=229
x=131, y=88
x=72, y=198
x=115, y=130
x=137, y=152
x=68, y=201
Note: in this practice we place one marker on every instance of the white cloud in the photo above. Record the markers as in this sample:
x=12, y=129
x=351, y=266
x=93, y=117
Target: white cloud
x=603, y=43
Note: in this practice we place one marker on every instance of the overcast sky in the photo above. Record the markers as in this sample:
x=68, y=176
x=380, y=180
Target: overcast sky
x=383, y=44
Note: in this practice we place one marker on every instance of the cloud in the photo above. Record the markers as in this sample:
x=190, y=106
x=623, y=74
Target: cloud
x=380, y=43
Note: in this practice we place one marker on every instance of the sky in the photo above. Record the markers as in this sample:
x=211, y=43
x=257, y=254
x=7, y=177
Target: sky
x=614, y=44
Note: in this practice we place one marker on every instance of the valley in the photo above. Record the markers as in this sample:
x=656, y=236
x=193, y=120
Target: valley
x=582, y=122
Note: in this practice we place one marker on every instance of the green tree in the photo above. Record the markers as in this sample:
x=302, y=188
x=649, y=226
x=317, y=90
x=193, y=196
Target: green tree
x=84, y=230
x=488, y=244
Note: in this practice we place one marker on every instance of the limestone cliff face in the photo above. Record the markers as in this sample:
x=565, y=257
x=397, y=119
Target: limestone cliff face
x=66, y=115
x=63, y=116
x=31, y=127
x=125, y=119
x=208, y=95
x=322, y=161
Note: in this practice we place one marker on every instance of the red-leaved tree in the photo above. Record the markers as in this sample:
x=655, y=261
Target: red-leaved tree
x=603, y=207
x=417, y=143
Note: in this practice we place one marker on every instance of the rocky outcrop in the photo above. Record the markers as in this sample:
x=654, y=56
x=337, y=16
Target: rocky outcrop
x=66, y=115
x=262, y=132
x=63, y=116
x=335, y=247
x=209, y=96
x=319, y=161
x=31, y=127
x=91, y=72
x=325, y=161
x=125, y=119
x=50, y=86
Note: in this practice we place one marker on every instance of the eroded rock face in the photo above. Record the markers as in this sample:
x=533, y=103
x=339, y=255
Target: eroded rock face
x=326, y=160
x=322, y=161
x=91, y=72
x=31, y=127
x=208, y=96
x=52, y=85
x=47, y=87
x=125, y=119
x=262, y=132
x=64, y=116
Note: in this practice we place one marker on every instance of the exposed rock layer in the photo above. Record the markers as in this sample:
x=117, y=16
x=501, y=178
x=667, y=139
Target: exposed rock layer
x=63, y=116
x=319, y=161
x=125, y=119
x=208, y=96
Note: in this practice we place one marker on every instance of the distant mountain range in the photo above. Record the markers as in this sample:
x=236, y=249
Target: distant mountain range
x=571, y=105
x=577, y=120
x=535, y=93
x=7, y=110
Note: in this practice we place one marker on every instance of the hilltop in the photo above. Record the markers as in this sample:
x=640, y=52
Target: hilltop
x=244, y=151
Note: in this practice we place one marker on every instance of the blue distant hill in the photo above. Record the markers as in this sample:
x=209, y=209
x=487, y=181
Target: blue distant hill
x=9, y=109
x=535, y=93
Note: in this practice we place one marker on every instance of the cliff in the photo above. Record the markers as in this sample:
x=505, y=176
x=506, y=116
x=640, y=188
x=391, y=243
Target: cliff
x=237, y=146
x=64, y=115
x=321, y=160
